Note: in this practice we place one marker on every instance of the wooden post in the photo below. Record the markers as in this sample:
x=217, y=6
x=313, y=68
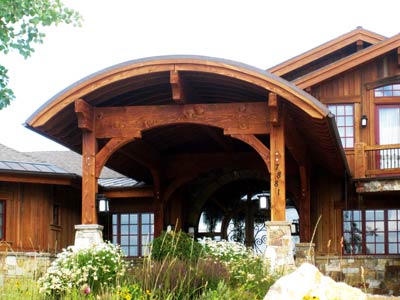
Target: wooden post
x=158, y=204
x=277, y=152
x=85, y=115
x=360, y=160
x=305, y=205
x=89, y=180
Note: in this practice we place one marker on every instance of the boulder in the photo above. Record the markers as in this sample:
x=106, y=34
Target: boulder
x=307, y=282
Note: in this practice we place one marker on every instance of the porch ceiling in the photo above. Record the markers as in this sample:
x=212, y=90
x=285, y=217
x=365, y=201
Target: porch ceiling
x=203, y=80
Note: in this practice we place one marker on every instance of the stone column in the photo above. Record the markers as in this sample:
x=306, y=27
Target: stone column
x=87, y=235
x=279, y=245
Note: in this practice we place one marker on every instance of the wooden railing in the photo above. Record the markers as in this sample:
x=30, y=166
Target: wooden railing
x=375, y=160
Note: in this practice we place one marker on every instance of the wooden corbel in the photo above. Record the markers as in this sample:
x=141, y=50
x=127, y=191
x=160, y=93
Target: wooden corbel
x=178, y=90
x=273, y=109
x=85, y=114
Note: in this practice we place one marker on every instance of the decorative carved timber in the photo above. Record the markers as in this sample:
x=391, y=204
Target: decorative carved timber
x=178, y=89
x=273, y=108
x=234, y=118
x=260, y=148
x=84, y=112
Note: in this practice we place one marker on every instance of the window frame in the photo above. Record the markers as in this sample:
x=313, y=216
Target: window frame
x=117, y=237
x=344, y=137
x=365, y=233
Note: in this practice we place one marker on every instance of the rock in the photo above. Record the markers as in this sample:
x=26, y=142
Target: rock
x=307, y=280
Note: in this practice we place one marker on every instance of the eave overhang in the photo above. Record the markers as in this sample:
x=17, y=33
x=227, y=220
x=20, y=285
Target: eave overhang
x=148, y=82
x=358, y=34
x=348, y=63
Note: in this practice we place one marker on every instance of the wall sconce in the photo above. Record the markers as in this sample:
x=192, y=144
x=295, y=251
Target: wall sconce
x=103, y=203
x=364, y=121
x=264, y=203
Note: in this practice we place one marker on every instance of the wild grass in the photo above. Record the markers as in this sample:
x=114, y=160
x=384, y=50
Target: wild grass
x=223, y=273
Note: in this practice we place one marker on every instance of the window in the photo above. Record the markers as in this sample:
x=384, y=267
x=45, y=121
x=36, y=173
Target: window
x=344, y=116
x=392, y=90
x=56, y=214
x=2, y=219
x=371, y=231
x=133, y=232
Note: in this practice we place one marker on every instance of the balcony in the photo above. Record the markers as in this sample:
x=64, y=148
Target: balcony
x=376, y=160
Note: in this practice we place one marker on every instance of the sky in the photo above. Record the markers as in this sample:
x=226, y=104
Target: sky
x=258, y=33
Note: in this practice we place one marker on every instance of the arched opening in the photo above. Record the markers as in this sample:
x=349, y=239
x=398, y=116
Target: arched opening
x=233, y=213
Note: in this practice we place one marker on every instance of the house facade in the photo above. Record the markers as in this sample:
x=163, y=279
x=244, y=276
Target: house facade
x=220, y=147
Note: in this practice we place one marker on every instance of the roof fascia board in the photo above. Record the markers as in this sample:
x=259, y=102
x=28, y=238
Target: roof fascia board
x=348, y=62
x=326, y=49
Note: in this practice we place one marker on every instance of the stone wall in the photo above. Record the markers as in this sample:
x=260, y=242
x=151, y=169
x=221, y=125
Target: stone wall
x=378, y=275
x=31, y=264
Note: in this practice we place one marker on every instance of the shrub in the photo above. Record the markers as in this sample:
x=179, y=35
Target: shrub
x=90, y=270
x=248, y=272
x=176, y=244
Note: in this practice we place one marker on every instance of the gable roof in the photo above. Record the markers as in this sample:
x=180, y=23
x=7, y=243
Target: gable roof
x=12, y=160
x=328, y=48
x=54, y=164
x=349, y=62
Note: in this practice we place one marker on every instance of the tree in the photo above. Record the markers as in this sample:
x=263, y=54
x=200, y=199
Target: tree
x=21, y=27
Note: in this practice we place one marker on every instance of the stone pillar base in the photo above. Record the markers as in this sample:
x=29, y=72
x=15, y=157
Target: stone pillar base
x=279, y=245
x=87, y=235
x=305, y=253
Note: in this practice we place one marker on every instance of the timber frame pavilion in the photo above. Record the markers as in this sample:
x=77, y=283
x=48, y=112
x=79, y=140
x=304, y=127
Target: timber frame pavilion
x=167, y=121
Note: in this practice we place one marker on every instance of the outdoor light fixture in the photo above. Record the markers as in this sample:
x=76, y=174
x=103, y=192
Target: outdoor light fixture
x=263, y=202
x=102, y=203
x=364, y=121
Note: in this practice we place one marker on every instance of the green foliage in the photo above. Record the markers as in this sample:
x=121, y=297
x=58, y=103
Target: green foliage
x=21, y=27
x=90, y=270
x=176, y=245
x=224, y=292
x=248, y=272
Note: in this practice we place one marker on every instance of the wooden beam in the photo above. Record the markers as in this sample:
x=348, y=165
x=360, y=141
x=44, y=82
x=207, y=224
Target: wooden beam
x=234, y=118
x=108, y=149
x=178, y=89
x=26, y=178
x=85, y=115
x=257, y=145
x=89, y=180
x=147, y=192
x=278, y=171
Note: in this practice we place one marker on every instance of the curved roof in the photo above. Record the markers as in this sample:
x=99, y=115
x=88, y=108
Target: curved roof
x=205, y=80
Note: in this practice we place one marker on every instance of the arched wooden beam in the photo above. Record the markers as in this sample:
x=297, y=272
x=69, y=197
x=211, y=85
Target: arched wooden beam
x=257, y=145
x=231, y=69
x=105, y=153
